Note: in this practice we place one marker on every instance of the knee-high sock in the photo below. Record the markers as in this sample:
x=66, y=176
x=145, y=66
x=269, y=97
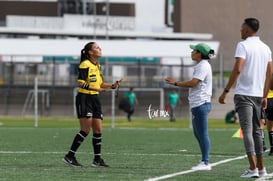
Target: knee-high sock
x=78, y=139
x=96, y=141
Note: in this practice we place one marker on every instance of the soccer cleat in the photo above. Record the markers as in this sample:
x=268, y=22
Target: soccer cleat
x=99, y=163
x=262, y=172
x=202, y=166
x=250, y=173
x=71, y=161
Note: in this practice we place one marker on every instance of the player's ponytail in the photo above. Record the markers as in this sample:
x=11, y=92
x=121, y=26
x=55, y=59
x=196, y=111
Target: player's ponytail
x=84, y=51
x=209, y=55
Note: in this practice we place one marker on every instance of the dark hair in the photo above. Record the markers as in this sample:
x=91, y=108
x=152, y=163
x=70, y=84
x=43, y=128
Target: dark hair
x=252, y=23
x=84, y=51
x=207, y=57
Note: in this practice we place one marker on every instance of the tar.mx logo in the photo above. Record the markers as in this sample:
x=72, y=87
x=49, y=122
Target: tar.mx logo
x=155, y=113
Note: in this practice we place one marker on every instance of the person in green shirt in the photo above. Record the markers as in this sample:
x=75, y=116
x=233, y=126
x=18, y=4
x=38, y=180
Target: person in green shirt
x=132, y=101
x=173, y=100
x=231, y=117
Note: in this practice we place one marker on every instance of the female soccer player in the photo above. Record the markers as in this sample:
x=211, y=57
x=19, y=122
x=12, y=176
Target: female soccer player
x=89, y=112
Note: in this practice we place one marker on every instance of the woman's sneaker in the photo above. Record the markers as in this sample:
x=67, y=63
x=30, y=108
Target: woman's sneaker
x=262, y=172
x=250, y=173
x=202, y=166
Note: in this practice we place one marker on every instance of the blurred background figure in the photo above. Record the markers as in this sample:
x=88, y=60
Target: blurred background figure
x=173, y=100
x=132, y=101
x=231, y=117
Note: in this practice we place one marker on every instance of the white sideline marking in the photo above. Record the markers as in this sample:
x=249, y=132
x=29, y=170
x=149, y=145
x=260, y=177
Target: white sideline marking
x=30, y=152
x=189, y=171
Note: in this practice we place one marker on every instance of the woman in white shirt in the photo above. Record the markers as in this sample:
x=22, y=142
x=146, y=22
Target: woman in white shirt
x=200, y=91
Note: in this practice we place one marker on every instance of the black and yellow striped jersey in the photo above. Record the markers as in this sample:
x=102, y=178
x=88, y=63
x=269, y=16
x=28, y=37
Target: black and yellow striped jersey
x=91, y=74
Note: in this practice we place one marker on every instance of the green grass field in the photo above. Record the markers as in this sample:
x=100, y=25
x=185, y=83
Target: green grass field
x=137, y=150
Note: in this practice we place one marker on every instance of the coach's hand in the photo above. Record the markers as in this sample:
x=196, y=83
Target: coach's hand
x=170, y=80
x=222, y=98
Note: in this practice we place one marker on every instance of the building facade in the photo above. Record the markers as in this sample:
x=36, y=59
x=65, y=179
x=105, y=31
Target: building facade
x=223, y=19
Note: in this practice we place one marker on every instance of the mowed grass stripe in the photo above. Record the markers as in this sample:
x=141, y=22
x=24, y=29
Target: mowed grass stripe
x=106, y=153
x=137, y=122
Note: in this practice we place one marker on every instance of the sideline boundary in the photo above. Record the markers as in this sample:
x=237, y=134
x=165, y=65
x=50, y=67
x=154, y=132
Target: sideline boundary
x=190, y=171
x=265, y=178
x=106, y=153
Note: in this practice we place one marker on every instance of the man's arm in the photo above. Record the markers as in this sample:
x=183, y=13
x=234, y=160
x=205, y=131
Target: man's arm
x=233, y=77
x=267, y=84
x=271, y=82
x=267, y=79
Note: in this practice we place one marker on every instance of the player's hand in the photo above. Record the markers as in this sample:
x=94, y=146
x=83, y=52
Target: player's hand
x=117, y=83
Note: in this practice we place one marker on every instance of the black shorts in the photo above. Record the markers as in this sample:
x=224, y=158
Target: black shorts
x=269, y=109
x=88, y=105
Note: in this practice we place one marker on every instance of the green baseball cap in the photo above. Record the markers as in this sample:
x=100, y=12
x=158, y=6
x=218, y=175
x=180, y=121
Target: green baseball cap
x=201, y=47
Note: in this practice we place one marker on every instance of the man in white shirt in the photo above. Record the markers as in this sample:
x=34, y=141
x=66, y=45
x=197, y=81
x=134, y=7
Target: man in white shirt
x=252, y=72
